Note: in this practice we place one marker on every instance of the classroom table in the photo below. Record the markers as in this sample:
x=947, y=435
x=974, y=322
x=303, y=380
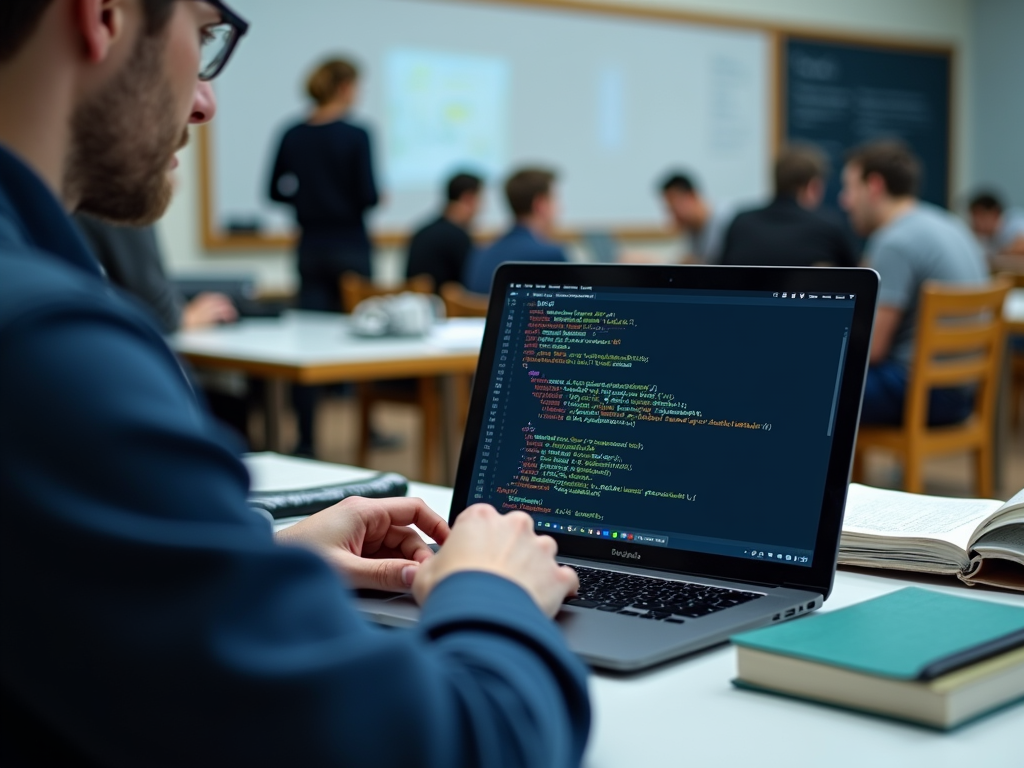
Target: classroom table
x=1013, y=311
x=302, y=347
x=686, y=713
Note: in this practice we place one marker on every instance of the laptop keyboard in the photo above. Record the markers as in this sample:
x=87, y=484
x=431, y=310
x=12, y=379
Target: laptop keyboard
x=650, y=598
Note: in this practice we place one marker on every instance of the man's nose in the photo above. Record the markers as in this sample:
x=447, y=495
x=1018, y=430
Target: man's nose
x=204, y=105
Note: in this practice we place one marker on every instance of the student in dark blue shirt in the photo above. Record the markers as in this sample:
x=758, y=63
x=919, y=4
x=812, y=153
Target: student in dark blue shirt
x=531, y=196
x=149, y=615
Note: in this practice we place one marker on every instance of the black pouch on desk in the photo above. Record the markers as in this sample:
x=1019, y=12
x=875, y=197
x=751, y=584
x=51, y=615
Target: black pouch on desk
x=306, y=501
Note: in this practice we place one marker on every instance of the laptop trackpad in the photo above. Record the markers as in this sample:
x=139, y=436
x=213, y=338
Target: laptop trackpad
x=387, y=607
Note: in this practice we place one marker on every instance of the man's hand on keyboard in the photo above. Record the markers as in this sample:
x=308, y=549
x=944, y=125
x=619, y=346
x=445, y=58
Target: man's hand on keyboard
x=505, y=545
x=369, y=540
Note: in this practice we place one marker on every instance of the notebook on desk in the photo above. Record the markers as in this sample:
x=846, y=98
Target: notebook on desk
x=685, y=434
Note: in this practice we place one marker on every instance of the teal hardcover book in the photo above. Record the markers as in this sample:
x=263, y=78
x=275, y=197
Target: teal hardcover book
x=916, y=655
x=907, y=635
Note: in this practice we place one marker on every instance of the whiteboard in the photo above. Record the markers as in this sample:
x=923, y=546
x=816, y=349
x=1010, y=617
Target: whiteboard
x=611, y=102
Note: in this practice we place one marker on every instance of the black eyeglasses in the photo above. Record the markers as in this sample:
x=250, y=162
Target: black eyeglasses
x=219, y=40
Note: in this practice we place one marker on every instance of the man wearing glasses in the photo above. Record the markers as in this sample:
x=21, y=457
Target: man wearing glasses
x=149, y=615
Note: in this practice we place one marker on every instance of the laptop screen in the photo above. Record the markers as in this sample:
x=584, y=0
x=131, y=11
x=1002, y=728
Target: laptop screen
x=697, y=420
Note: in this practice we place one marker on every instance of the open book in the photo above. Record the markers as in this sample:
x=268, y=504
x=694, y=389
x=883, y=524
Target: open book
x=979, y=540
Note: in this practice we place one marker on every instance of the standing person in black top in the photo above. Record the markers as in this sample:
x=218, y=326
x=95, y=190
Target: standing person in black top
x=324, y=169
x=440, y=248
x=789, y=232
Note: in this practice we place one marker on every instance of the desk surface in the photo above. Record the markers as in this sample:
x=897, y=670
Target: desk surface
x=687, y=713
x=1013, y=310
x=318, y=347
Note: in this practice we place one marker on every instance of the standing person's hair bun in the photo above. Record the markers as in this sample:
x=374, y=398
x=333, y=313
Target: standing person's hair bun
x=323, y=84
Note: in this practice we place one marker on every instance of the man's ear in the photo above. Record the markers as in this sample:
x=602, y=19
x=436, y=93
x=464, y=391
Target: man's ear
x=101, y=23
x=876, y=184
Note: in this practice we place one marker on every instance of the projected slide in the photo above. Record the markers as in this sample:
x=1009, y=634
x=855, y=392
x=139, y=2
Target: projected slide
x=444, y=112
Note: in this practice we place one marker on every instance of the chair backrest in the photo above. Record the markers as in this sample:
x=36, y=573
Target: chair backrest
x=960, y=340
x=459, y=302
x=355, y=288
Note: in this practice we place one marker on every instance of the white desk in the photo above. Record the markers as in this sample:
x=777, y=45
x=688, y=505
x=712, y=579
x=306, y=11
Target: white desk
x=318, y=348
x=1013, y=310
x=686, y=713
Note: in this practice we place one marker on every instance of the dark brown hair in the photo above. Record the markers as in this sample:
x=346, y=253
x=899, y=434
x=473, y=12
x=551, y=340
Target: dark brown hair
x=323, y=84
x=19, y=19
x=679, y=182
x=893, y=161
x=986, y=201
x=525, y=186
x=797, y=166
x=461, y=184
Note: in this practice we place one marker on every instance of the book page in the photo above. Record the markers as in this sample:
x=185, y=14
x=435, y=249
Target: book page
x=1006, y=542
x=880, y=512
x=1011, y=513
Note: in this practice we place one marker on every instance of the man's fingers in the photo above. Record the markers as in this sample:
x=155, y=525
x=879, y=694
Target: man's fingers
x=403, y=510
x=405, y=542
x=570, y=578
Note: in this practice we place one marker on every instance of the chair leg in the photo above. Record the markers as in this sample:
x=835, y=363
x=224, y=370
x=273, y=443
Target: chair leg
x=913, y=470
x=363, y=391
x=430, y=405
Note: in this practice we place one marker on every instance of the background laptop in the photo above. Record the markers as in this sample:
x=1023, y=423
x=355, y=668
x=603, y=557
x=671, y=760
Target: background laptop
x=685, y=433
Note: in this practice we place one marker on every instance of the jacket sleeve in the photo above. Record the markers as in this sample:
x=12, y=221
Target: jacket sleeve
x=150, y=619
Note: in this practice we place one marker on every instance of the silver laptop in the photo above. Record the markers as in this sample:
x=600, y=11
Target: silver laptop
x=685, y=433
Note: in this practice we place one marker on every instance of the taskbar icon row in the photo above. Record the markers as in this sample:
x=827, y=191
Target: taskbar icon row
x=586, y=530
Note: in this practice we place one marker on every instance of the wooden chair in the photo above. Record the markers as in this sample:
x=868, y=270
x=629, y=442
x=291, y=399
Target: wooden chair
x=421, y=392
x=1016, y=363
x=459, y=302
x=960, y=340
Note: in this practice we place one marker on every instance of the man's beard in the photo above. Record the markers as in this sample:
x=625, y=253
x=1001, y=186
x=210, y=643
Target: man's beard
x=123, y=140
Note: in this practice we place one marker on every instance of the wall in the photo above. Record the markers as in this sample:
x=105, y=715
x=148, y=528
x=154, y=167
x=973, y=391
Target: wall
x=997, y=96
x=942, y=21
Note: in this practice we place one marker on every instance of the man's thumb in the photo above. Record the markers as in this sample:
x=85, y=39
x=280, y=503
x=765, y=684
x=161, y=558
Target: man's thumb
x=392, y=575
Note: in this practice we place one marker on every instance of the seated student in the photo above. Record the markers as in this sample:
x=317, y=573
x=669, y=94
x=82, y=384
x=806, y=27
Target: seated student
x=910, y=242
x=788, y=232
x=131, y=258
x=1000, y=230
x=440, y=249
x=531, y=196
x=150, y=616
x=702, y=224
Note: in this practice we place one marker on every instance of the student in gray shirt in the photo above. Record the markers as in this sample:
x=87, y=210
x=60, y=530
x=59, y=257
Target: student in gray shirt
x=909, y=243
x=704, y=225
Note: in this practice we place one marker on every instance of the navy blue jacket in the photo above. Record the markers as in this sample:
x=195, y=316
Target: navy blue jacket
x=519, y=244
x=149, y=618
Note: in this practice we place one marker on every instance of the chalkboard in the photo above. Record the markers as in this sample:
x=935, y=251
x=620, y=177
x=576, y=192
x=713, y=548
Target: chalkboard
x=840, y=94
